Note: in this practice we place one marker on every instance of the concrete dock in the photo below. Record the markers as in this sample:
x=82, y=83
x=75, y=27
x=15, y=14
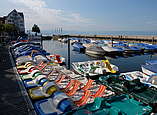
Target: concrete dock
x=12, y=100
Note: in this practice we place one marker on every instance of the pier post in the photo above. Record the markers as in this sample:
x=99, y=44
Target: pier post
x=112, y=41
x=41, y=41
x=153, y=40
x=68, y=53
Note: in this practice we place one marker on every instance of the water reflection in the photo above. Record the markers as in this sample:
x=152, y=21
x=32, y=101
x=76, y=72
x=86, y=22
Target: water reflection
x=124, y=63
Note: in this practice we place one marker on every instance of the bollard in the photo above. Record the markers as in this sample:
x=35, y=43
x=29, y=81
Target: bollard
x=112, y=41
x=41, y=41
x=153, y=40
x=68, y=53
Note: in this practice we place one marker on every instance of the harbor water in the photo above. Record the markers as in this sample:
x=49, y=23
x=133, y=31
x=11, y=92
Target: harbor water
x=125, y=63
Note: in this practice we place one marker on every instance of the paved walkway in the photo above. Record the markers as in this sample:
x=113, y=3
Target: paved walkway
x=12, y=102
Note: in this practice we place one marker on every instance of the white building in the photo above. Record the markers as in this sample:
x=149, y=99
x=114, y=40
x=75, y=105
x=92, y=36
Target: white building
x=16, y=18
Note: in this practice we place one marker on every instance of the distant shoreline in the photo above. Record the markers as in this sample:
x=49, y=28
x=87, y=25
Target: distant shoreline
x=124, y=33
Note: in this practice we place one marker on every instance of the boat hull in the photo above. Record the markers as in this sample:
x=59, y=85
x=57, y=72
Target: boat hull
x=95, y=52
x=78, y=49
x=147, y=71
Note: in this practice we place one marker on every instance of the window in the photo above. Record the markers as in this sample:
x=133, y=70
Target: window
x=11, y=17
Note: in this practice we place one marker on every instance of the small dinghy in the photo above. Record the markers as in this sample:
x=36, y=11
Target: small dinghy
x=46, y=90
x=23, y=59
x=113, y=106
x=136, y=75
x=57, y=104
x=24, y=65
x=56, y=58
x=38, y=81
x=31, y=75
x=92, y=68
x=141, y=91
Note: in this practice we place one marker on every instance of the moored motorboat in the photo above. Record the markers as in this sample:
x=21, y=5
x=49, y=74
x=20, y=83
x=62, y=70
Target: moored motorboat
x=95, y=50
x=113, y=50
x=78, y=47
x=127, y=49
x=150, y=67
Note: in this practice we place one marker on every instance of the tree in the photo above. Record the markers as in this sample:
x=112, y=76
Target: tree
x=10, y=28
x=12, y=31
x=2, y=28
x=36, y=29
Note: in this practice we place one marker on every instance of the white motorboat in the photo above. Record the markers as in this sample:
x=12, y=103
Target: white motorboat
x=149, y=69
x=95, y=50
x=112, y=50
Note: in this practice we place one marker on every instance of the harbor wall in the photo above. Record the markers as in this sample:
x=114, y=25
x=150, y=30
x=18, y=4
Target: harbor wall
x=112, y=37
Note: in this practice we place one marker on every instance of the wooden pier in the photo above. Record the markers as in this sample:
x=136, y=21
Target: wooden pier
x=112, y=37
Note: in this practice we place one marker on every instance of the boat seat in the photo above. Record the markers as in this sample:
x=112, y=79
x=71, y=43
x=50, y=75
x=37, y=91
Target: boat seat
x=84, y=98
x=38, y=81
x=57, y=104
x=25, y=66
x=27, y=70
x=108, y=66
x=99, y=92
x=23, y=60
x=75, y=87
x=61, y=78
x=32, y=75
x=43, y=91
x=41, y=66
x=88, y=84
x=66, y=85
x=53, y=76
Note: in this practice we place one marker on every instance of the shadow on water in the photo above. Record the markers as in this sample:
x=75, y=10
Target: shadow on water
x=125, y=63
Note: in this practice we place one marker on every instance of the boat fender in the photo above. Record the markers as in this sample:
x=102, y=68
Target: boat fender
x=61, y=101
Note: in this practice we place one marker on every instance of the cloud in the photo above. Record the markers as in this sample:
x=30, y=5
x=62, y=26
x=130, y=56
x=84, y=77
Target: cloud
x=37, y=11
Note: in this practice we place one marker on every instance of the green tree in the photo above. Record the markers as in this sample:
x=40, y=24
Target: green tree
x=2, y=28
x=12, y=31
x=36, y=29
x=10, y=28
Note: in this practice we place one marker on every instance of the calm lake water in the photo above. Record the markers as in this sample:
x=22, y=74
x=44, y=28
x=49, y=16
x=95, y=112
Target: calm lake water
x=125, y=64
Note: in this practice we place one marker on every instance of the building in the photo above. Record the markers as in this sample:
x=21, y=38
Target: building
x=3, y=35
x=16, y=18
x=2, y=20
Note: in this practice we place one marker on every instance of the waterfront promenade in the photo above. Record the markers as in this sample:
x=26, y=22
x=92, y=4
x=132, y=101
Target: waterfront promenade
x=12, y=100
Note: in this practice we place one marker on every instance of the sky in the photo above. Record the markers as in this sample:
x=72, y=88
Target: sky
x=86, y=15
